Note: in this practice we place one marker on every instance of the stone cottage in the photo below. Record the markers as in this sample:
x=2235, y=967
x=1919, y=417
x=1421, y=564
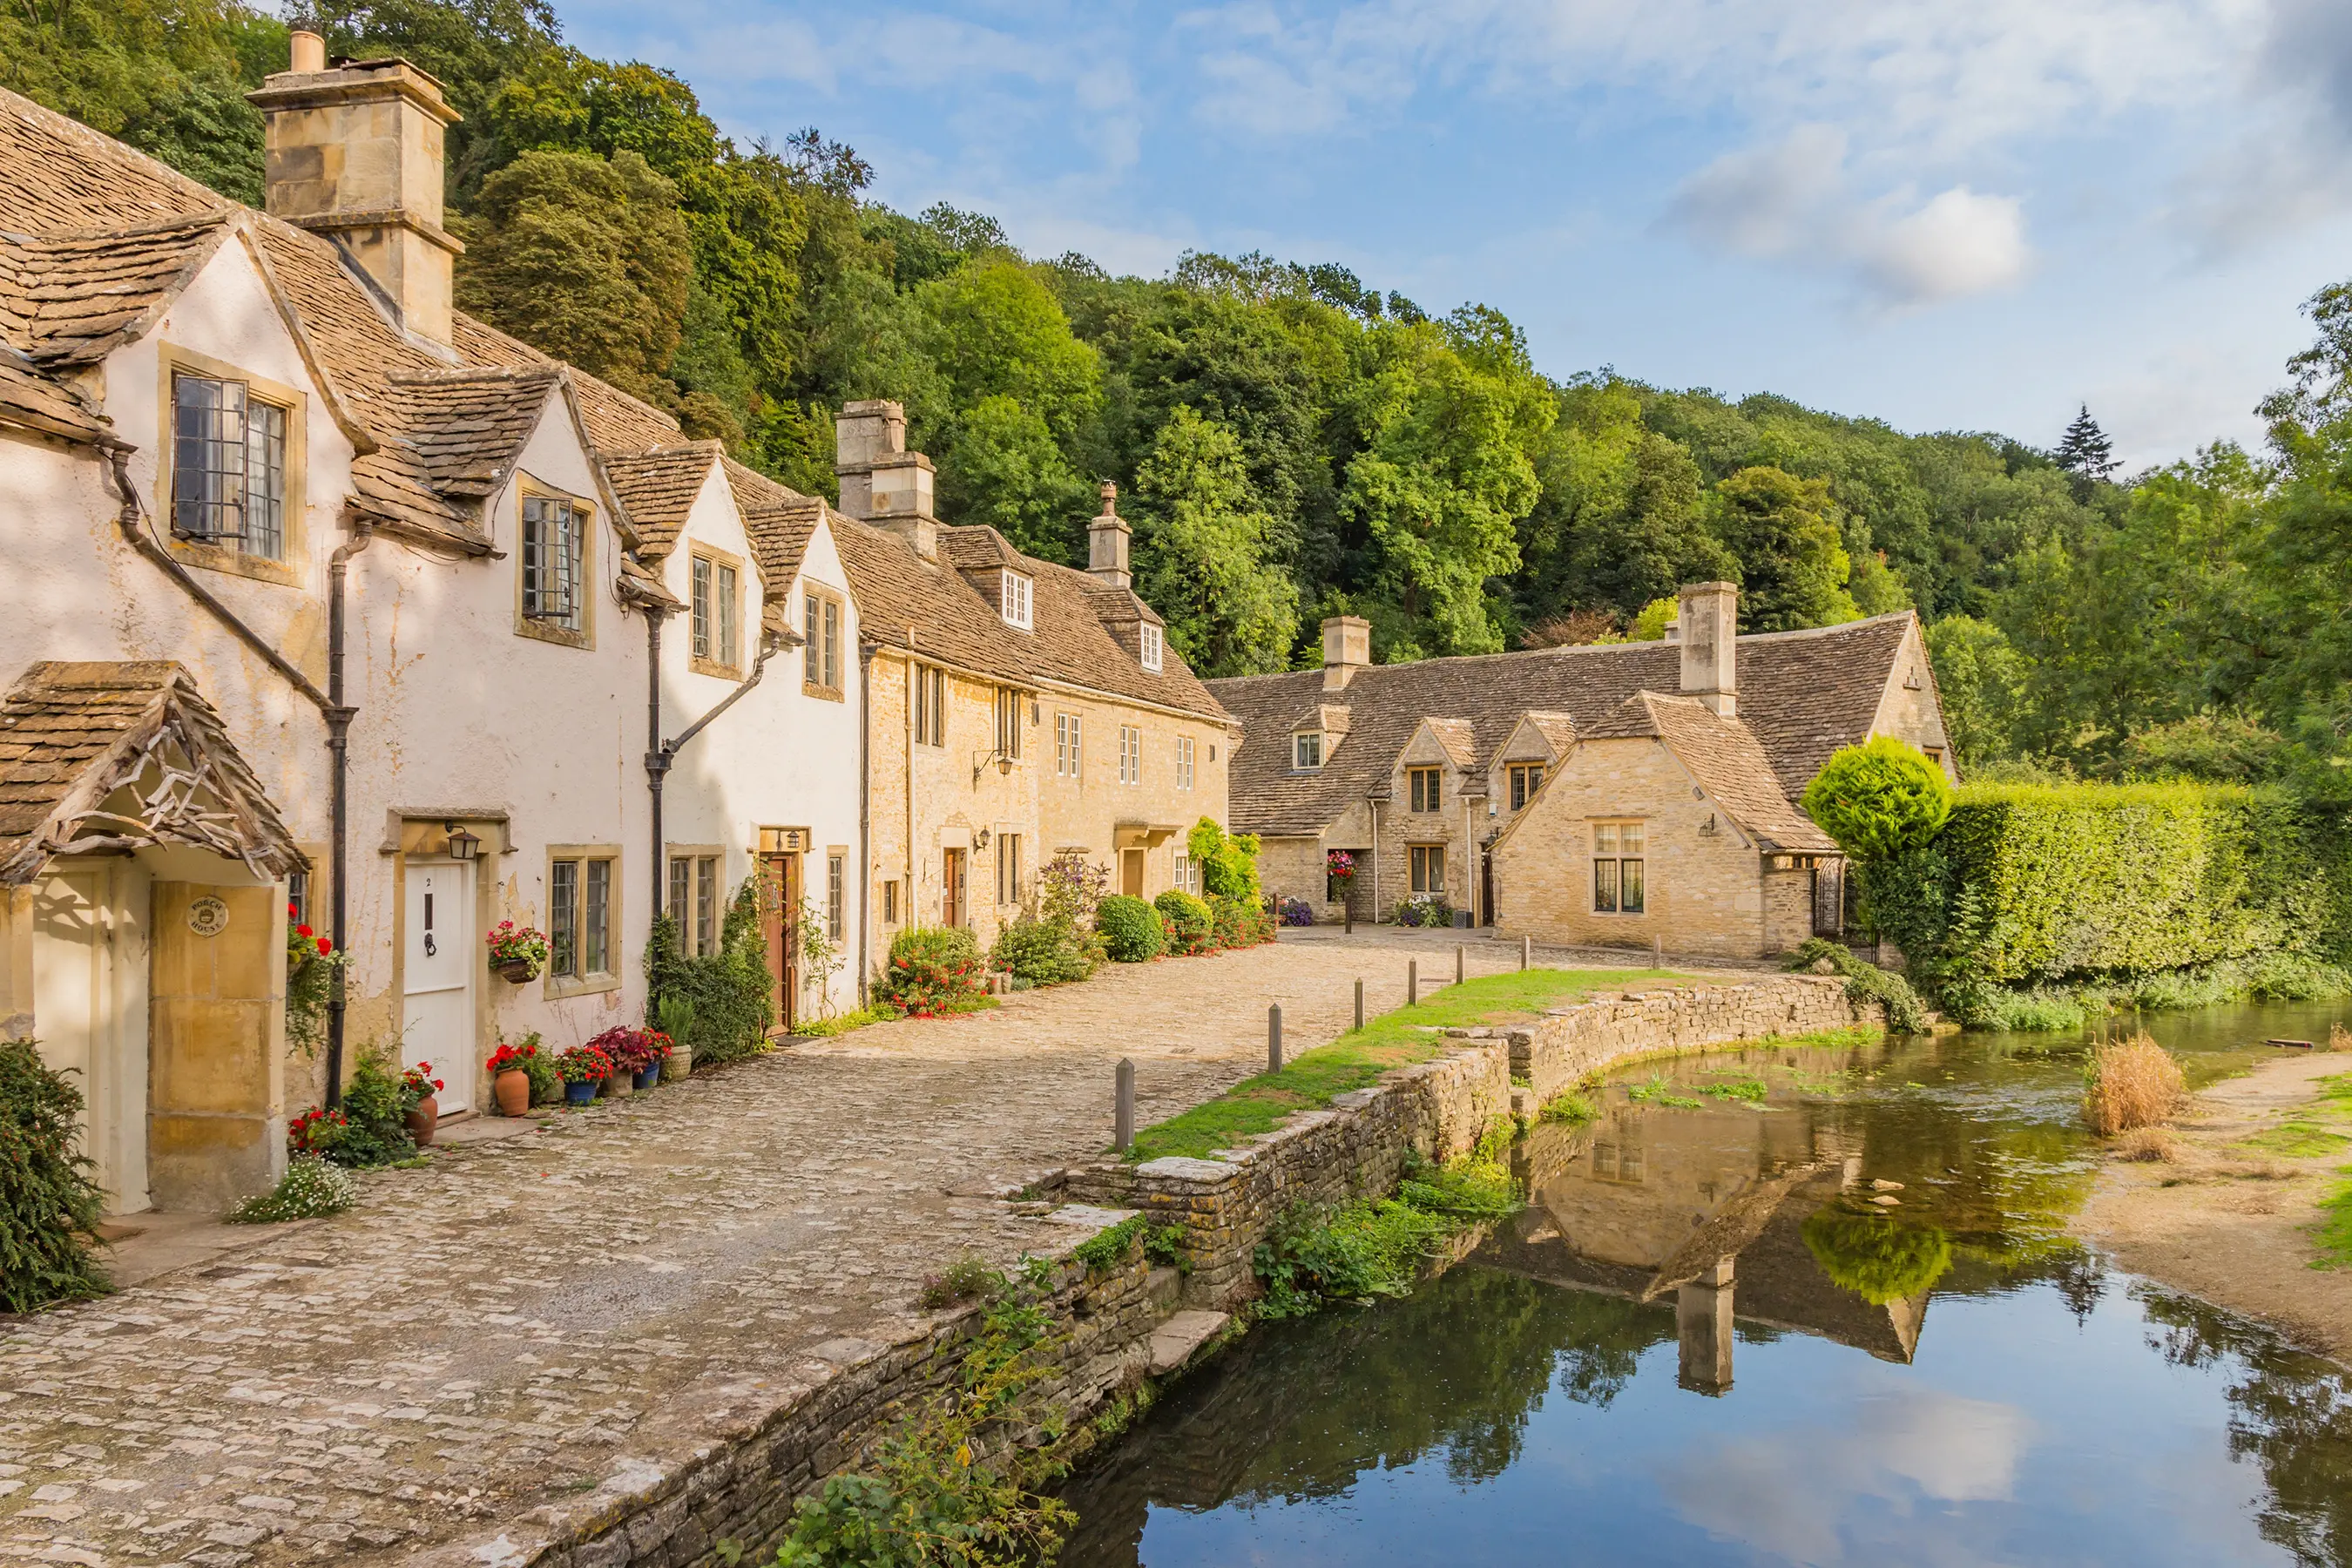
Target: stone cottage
x=327, y=595
x=1020, y=708
x=1625, y=795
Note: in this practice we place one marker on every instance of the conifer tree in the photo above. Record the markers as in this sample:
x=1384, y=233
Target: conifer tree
x=2085, y=450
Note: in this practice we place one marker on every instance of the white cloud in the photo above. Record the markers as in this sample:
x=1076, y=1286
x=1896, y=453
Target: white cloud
x=1793, y=201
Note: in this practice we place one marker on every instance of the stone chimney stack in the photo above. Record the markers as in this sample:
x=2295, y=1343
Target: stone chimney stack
x=881, y=482
x=354, y=154
x=1347, y=648
x=1106, y=540
x=1708, y=624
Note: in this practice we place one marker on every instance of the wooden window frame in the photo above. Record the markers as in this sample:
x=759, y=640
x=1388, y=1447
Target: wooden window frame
x=1009, y=888
x=1009, y=701
x=715, y=643
x=1612, y=857
x=1130, y=754
x=837, y=891
x=928, y=707
x=1069, y=746
x=1523, y=779
x=1425, y=868
x=1184, y=770
x=285, y=569
x=1303, y=742
x=1424, y=788
x=581, y=980
x=823, y=616
x=540, y=628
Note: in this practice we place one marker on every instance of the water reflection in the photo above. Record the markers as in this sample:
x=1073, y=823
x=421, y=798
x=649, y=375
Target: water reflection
x=1655, y=1361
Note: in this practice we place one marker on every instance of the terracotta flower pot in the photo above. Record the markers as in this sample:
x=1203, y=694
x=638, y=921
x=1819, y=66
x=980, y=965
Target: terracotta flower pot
x=512, y=1090
x=517, y=971
x=619, y=1086
x=422, y=1119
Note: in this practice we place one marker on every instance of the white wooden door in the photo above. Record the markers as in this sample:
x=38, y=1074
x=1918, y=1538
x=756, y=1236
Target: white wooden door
x=437, y=978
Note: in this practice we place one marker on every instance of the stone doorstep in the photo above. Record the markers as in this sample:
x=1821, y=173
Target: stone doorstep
x=1178, y=1336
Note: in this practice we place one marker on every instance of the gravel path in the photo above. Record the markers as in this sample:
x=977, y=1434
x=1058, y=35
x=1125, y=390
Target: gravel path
x=531, y=1316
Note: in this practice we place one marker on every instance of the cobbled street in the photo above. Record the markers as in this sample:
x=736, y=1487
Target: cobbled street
x=534, y=1317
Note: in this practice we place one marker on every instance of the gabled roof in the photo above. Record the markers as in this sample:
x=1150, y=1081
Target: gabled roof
x=1557, y=731
x=657, y=487
x=118, y=755
x=467, y=426
x=1803, y=694
x=780, y=522
x=1724, y=758
x=72, y=298
x=1456, y=737
x=928, y=607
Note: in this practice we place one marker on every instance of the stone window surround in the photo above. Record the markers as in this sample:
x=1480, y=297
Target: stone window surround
x=1618, y=860
x=1417, y=859
x=724, y=669
x=1423, y=800
x=559, y=986
x=691, y=856
x=1306, y=750
x=527, y=489
x=287, y=570
x=819, y=599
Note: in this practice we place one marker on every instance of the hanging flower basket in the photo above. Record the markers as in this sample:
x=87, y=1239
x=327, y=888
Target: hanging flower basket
x=518, y=952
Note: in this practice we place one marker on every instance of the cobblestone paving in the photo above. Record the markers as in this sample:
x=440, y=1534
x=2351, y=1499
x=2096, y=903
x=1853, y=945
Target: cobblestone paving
x=530, y=1318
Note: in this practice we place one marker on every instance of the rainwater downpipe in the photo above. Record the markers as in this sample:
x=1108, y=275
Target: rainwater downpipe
x=656, y=760
x=137, y=530
x=866, y=652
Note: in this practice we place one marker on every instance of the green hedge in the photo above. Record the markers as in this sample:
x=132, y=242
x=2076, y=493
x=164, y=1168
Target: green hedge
x=1129, y=929
x=48, y=1204
x=2032, y=885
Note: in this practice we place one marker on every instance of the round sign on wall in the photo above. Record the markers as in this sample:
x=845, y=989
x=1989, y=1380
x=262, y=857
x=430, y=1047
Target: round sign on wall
x=208, y=917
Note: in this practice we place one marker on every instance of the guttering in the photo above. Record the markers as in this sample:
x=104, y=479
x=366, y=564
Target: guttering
x=866, y=652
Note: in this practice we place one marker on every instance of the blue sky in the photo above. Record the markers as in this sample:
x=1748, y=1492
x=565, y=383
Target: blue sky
x=1947, y=214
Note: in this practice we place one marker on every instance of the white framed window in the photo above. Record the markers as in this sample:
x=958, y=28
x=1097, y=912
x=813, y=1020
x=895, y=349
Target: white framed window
x=1184, y=762
x=821, y=649
x=1014, y=598
x=1130, y=754
x=554, y=545
x=1188, y=874
x=1306, y=749
x=1152, y=645
x=717, y=607
x=1068, y=745
x=228, y=467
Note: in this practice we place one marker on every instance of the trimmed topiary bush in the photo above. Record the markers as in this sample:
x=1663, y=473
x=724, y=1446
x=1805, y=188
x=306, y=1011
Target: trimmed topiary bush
x=1879, y=799
x=1045, y=952
x=933, y=969
x=1189, y=926
x=48, y=1204
x=1129, y=929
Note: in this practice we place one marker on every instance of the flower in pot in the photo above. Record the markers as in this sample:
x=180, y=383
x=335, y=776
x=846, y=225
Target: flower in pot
x=418, y=1107
x=637, y=1053
x=582, y=1069
x=516, y=953
x=510, y=1068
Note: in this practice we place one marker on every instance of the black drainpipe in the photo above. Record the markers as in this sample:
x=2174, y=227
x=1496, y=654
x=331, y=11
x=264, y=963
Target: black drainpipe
x=658, y=760
x=866, y=652
x=133, y=520
x=339, y=746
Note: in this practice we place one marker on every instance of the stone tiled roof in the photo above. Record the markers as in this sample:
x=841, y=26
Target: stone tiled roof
x=780, y=521
x=467, y=427
x=1803, y=694
x=71, y=298
x=1558, y=730
x=929, y=607
x=73, y=735
x=1726, y=758
x=1460, y=740
x=35, y=400
x=657, y=487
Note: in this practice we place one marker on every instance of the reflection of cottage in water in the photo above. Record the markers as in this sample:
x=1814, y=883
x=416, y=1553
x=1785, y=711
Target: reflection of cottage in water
x=1744, y=1214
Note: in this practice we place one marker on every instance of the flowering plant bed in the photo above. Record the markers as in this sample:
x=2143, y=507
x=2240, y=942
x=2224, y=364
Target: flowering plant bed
x=584, y=1064
x=1298, y=912
x=934, y=970
x=519, y=953
x=315, y=1131
x=632, y=1050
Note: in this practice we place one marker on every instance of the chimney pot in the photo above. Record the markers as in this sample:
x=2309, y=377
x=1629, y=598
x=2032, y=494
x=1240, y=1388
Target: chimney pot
x=1709, y=622
x=1106, y=540
x=1347, y=648
x=308, y=51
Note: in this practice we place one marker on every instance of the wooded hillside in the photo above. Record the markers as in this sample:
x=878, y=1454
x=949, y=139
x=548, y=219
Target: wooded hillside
x=1293, y=442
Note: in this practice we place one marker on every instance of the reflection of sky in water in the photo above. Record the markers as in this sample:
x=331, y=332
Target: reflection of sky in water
x=2018, y=1436
x=2037, y=1423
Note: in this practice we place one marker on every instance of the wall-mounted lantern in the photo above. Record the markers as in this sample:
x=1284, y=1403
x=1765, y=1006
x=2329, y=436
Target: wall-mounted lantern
x=463, y=845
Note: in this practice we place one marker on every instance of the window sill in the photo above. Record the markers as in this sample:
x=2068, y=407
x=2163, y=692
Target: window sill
x=822, y=693
x=561, y=636
x=236, y=562
x=711, y=667
x=586, y=985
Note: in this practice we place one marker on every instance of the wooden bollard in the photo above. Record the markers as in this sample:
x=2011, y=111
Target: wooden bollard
x=1461, y=959
x=1360, y=1003
x=1123, y=1116
x=1527, y=951
x=1412, y=981
x=1657, y=952
x=1274, y=1038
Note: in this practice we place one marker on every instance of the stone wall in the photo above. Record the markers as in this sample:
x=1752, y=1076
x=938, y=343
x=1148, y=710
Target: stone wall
x=1550, y=1055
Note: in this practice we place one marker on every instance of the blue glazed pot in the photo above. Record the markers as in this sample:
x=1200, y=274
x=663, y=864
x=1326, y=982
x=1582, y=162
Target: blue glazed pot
x=580, y=1093
x=647, y=1079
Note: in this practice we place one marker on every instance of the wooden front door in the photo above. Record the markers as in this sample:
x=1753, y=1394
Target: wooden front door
x=780, y=923
x=1130, y=872
x=951, y=889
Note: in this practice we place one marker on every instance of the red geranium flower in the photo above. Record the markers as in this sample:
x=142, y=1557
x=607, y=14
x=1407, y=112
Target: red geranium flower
x=304, y=931
x=325, y=947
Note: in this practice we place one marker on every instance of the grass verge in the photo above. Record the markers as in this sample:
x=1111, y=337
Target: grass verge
x=1314, y=1078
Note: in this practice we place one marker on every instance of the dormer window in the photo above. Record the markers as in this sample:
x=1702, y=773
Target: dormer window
x=1014, y=599
x=1306, y=749
x=1151, y=641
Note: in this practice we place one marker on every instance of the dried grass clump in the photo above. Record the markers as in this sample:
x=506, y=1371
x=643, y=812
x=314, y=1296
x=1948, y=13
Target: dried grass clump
x=2146, y=1143
x=2130, y=1083
x=2339, y=1038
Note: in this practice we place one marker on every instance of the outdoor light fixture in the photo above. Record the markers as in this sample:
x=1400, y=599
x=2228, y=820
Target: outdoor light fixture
x=462, y=843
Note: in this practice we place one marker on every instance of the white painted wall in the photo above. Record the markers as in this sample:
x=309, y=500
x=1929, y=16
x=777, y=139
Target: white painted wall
x=778, y=758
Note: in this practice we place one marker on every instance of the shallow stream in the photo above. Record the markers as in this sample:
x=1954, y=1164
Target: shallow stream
x=1706, y=1340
